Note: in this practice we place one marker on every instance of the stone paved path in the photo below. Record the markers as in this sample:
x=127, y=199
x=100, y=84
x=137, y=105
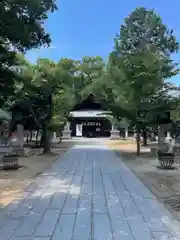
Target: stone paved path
x=89, y=194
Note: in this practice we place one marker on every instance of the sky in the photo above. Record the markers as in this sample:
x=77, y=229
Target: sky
x=87, y=28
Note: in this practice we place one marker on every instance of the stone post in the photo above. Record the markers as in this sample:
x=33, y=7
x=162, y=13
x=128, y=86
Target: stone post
x=168, y=137
x=66, y=132
x=114, y=133
x=126, y=133
x=54, y=136
x=20, y=136
x=19, y=146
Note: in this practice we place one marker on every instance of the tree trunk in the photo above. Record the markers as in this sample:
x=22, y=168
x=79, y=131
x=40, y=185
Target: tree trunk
x=27, y=140
x=45, y=140
x=144, y=133
x=37, y=134
x=60, y=140
x=60, y=137
x=138, y=141
x=31, y=136
x=161, y=136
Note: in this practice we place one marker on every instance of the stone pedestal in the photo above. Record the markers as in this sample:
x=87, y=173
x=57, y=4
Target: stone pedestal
x=115, y=135
x=54, y=137
x=66, y=133
x=168, y=135
x=126, y=133
x=20, y=136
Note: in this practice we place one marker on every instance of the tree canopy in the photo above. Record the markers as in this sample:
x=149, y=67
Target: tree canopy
x=139, y=66
x=21, y=29
x=133, y=84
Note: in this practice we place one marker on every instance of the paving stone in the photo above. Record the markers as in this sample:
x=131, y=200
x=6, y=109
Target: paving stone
x=24, y=208
x=8, y=229
x=121, y=230
x=42, y=204
x=99, y=202
x=83, y=225
x=48, y=223
x=64, y=228
x=82, y=229
x=139, y=228
x=30, y=238
x=102, y=228
x=87, y=194
x=29, y=224
x=113, y=203
x=168, y=220
x=59, y=198
x=163, y=236
x=146, y=210
x=73, y=196
x=71, y=203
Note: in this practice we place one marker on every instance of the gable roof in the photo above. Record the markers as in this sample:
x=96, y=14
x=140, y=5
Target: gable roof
x=90, y=103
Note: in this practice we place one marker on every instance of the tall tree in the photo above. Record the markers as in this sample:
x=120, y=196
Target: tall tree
x=21, y=28
x=21, y=24
x=40, y=98
x=142, y=30
x=141, y=61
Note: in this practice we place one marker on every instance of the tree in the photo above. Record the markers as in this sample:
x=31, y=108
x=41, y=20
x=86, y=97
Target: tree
x=48, y=83
x=21, y=28
x=33, y=104
x=89, y=71
x=55, y=97
x=142, y=30
x=22, y=23
x=140, y=62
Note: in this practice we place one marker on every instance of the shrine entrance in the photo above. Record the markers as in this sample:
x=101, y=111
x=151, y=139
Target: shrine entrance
x=90, y=127
x=89, y=119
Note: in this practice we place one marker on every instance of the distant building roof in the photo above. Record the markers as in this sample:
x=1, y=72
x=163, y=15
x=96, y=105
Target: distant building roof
x=89, y=103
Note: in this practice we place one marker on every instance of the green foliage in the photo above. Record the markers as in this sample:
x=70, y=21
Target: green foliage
x=22, y=23
x=44, y=98
x=141, y=60
x=175, y=113
x=90, y=70
x=144, y=30
x=138, y=67
x=21, y=29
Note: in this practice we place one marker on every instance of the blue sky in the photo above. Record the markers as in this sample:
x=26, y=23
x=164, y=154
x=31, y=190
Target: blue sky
x=82, y=27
